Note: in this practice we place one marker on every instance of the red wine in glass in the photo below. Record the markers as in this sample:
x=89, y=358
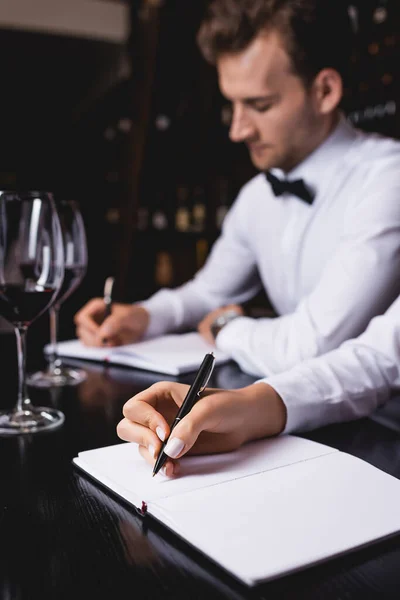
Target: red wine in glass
x=21, y=306
x=75, y=262
x=31, y=273
x=72, y=279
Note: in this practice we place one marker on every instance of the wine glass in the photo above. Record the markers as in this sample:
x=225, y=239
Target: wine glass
x=31, y=273
x=75, y=263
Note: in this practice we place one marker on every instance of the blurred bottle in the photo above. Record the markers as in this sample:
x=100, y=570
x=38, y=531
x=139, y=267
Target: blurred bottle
x=199, y=210
x=201, y=252
x=182, y=215
x=381, y=12
x=164, y=271
x=159, y=218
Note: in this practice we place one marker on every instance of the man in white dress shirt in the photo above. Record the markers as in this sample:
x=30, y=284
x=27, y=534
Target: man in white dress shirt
x=326, y=248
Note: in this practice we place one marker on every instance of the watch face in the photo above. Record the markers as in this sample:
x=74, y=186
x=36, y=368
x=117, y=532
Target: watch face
x=222, y=319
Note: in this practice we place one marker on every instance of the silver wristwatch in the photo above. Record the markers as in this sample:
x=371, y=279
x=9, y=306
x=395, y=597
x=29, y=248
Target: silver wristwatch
x=222, y=320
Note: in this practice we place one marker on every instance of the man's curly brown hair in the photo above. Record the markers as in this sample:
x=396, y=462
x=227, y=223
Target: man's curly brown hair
x=316, y=33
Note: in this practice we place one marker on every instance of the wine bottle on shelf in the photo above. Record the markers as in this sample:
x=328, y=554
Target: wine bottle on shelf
x=199, y=210
x=159, y=218
x=182, y=215
x=164, y=271
x=354, y=17
x=124, y=125
x=381, y=31
x=380, y=14
x=202, y=249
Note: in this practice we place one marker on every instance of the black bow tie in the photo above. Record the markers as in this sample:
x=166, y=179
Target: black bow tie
x=297, y=188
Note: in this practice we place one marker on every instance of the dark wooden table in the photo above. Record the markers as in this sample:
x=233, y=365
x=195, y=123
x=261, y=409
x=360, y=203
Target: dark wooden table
x=62, y=537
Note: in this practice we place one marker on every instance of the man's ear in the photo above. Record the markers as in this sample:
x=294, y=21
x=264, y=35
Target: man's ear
x=327, y=90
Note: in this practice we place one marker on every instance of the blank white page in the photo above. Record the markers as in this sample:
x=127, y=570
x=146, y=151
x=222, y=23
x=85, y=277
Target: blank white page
x=126, y=472
x=276, y=522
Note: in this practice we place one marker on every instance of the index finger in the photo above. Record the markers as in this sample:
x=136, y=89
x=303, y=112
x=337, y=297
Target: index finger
x=85, y=316
x=145, y=408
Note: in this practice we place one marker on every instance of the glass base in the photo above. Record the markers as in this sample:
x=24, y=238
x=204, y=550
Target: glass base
x=34, y=420
x=60, y=377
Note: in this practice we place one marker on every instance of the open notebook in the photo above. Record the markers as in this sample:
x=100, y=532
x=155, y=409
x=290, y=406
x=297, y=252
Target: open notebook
x=171, y=354
x=270, y=508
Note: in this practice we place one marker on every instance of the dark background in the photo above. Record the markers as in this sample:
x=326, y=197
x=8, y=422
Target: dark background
x=132, y=130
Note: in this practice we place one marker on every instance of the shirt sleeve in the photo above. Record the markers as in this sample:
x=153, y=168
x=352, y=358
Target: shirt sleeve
x=230, y=276
x=360, y=281
x=347, y=383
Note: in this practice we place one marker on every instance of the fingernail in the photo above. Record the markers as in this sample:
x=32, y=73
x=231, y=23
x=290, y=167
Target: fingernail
x=163, y=471
x=152, y=450
x=174, y=447
x=161, y=433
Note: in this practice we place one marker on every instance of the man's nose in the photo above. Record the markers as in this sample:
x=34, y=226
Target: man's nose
x=241, y=126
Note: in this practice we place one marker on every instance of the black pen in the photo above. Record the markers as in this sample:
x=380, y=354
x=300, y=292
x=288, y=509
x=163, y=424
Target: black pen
x=202, y=377
x=107, y=296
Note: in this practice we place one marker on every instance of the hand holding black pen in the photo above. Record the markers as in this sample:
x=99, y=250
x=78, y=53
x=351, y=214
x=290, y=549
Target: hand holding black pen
x=199, y=384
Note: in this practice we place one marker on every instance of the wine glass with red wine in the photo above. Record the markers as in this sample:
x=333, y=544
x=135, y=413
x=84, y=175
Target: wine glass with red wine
x=75, y=263
x=31, y=273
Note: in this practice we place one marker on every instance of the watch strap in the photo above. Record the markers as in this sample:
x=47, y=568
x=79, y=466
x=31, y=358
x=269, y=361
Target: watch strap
x=223, y=319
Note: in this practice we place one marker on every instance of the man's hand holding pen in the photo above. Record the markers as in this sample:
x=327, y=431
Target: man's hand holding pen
x=126, y=323
x=221, y=421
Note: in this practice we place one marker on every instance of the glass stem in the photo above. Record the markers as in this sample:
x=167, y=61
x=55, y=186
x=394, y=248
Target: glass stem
x=23, y=403
x=54, y=361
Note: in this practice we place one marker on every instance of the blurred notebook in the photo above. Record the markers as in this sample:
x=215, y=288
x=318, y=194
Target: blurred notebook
x=172, y=354
x=268, y=509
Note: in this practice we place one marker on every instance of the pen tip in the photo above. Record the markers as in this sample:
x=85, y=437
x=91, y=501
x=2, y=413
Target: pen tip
x=153, y=474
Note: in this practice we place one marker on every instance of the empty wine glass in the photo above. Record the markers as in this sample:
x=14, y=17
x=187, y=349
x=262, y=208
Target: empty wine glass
x=75, y=264
x=31, y=273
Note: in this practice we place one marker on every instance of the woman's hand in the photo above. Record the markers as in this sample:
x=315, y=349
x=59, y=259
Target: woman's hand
x=221, y=421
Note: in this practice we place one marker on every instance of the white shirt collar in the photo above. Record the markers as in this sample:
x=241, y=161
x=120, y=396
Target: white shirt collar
x=317, y=166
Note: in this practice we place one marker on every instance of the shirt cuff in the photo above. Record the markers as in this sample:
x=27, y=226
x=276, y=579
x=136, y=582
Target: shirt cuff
x=303, y=401
x=233, y=339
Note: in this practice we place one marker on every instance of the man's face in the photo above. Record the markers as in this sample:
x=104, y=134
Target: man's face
x=273, y=113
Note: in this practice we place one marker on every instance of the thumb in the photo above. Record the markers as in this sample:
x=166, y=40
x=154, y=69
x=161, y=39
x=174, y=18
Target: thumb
x=110, y=327
x=185, y=434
